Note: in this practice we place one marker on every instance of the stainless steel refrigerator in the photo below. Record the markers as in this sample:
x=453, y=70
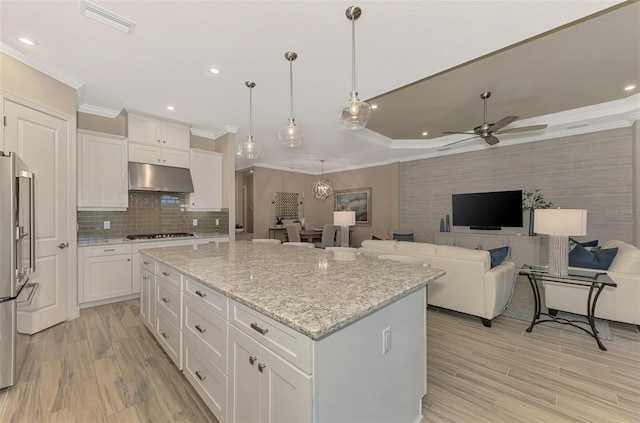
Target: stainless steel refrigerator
x=17, y=260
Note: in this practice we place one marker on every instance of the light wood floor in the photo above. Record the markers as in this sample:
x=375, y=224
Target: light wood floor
x=106, y=367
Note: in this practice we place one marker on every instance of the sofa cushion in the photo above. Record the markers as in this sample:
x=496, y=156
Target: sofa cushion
x=498, y=255
x=597, y=259
x=628, y=258
x=418, y=248
x=448, y=251
x=381, y=245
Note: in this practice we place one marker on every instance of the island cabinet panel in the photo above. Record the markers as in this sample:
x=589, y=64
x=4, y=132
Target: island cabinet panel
x=262, y=386
x=170, y=337
x=286, y=342
x=209, y=298
x=208, y=329
x=148, y=298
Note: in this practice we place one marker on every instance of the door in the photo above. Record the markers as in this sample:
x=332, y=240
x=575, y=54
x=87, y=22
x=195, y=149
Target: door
x=42, y=141
x=244, y=378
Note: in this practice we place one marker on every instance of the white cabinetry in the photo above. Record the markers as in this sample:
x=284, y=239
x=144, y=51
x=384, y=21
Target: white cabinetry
x=156, y=141
x=105, y=272
x=102, y=172
x=147, y=293
x=523, y=249
x=206, y=171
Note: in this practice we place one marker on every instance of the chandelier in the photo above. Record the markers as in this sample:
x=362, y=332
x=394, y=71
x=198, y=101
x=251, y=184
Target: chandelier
x=356, y=114
x=249, y=149
x=322, y=188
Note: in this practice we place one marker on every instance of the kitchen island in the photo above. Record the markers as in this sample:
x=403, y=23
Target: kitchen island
x=275, y=333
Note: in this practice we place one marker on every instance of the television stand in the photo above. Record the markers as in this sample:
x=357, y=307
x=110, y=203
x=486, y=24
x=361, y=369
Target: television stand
x=486, y=228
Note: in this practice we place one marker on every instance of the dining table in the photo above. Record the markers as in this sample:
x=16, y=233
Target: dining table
x=306, y=235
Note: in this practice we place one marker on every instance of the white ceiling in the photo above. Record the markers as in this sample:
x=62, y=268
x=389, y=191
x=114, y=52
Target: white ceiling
x=166, y=61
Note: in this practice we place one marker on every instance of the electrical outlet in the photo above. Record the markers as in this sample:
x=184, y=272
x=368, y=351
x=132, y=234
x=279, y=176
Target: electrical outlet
x=217, y=222
x=195, y=222
x=386, y=340
x=107, y=224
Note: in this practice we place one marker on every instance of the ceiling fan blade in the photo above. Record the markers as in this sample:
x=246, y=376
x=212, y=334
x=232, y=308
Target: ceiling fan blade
x=521, y=129
x=503, y=122
x=468, y=132
x=491, y=140
x=455, y=142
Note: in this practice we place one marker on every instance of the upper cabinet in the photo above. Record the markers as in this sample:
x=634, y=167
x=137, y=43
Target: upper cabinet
x=159, y=142
x=206, y=172
x=102, y=171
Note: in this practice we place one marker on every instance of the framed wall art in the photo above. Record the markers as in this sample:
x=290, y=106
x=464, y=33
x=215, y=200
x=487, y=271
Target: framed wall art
x=358, y=200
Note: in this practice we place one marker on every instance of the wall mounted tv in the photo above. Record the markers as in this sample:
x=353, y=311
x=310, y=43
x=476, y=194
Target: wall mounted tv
x=488, y=210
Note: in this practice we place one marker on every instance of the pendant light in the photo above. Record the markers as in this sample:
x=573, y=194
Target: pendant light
x=356, y=114
x=322, y=188
x=249, y=149
x=290, y=135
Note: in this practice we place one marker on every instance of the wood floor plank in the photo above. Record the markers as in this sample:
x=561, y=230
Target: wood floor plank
x=128, y=415
x=100, y=342
x=54, y=387
x=80, y=362
x=113, y=390
x=86, y=404
x=56, y=342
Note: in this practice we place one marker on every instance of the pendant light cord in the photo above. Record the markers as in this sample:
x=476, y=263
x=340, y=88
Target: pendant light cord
x=250, y=113
x=291, y=85
x=353, y=54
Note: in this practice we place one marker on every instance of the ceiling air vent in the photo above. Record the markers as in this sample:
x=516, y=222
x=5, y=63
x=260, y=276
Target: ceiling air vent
x=107, y=17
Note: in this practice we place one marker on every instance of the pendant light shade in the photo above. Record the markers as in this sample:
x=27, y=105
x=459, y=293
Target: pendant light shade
x=356, y=114
x=322, y=188
x=249, y=149
x=290, y=135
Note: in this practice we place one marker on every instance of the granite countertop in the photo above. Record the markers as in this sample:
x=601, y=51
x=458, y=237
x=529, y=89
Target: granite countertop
x=312, y=291
x=118, y=239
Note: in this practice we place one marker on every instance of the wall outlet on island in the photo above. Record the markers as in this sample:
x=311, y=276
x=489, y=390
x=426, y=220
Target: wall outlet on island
x=195, y=222
x=386, y=340
x=107, y=224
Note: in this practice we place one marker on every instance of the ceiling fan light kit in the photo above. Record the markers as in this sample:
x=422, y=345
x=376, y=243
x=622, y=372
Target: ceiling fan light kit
x=487, y=130
x=249, y=149
x=322, y=188
x=290, y=135
x=357, y=113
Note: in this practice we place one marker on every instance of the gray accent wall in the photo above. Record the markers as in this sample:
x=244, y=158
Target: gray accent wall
x=593, y=171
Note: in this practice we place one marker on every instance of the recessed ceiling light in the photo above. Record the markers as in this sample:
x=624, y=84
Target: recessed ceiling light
x=215, y=70
x=374, y=106
x=171, y=108
x=425, y=133
x=630, y=87
x=28, y=41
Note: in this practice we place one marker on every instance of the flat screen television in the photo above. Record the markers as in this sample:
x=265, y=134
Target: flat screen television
x=488, y=210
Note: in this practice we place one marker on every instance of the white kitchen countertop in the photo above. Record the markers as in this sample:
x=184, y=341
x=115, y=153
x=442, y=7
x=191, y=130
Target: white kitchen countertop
x=312, y=291
x=106, y=240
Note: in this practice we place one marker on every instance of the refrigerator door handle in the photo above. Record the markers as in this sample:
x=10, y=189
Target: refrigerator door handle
x=32, y=217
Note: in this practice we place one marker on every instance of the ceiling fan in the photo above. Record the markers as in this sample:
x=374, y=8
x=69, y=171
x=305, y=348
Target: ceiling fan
x=487, y=130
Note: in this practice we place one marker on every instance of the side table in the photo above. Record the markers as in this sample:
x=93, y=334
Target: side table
x=596, y=282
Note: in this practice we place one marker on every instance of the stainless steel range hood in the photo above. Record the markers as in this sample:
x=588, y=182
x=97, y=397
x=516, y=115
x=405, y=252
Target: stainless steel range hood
x=149, y=177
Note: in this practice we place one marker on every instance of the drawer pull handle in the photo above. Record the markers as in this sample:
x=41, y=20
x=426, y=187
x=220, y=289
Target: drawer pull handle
x=200, y=329
x=252, y=359
x=255, y=327
x=197, y=372
x=261, y=367
x=200, y=294
x=166, y=273
x=166, y=300
x=164, y=335
x=147, y=262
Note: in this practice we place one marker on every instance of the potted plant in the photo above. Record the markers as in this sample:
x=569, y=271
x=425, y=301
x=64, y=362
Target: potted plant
x=239, y=228
x=532, y=200
x=279, y=223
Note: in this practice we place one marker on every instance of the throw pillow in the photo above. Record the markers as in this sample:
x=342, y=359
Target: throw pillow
x=403, y=237
x=375, y=238
x=498, y=255
x=596, y=259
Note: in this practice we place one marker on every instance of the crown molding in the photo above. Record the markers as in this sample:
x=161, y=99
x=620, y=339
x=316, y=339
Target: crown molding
x=227, y=129
x=99, y=111
x=48, y=69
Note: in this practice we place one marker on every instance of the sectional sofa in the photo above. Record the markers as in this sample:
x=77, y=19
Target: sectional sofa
x=470, y=285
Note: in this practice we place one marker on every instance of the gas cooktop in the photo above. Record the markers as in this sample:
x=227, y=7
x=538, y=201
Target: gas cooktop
x=161, y=236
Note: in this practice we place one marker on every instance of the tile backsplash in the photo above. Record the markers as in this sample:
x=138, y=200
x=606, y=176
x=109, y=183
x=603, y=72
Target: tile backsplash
x=152, y=212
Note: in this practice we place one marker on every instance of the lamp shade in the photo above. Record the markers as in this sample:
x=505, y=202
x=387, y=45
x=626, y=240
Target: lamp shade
x=344, y=218
x=564, y=222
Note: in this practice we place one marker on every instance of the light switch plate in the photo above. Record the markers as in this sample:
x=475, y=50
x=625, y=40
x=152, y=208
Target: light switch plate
x=107, y=224
x=195, y=222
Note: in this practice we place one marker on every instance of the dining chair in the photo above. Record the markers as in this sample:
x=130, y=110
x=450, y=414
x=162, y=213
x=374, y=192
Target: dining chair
x=293, y=232
x=328, y=236
x=345, y=249
x=404, y=259
x=266, y=241
x=300, y=244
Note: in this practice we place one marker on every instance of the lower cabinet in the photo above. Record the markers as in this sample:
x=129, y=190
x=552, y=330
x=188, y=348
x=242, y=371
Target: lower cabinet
x=105, y=272
x=148, y=299
x=262, y=386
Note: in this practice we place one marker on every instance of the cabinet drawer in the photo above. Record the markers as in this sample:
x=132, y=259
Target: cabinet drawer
x=148, y=263
x=286, y=342
x=107, y=250
x=207, y=329
x=169, y=274
x=207, y=379
x=170, y=337
x=211, y=299
x=168, y=301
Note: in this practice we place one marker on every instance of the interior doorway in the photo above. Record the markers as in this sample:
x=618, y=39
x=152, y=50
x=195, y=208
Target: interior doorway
x=244, y=199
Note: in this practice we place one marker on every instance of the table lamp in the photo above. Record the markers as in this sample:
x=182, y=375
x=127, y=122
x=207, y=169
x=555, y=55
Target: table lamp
x=559, y=224
x=344, y=219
